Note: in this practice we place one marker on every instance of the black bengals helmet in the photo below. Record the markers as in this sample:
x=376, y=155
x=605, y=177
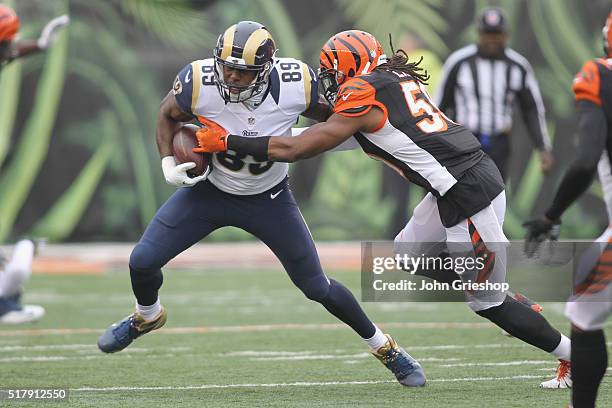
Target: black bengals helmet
x=246, y=45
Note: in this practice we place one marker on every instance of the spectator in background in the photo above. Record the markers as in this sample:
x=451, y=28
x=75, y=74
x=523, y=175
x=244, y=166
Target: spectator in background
x=479, y=85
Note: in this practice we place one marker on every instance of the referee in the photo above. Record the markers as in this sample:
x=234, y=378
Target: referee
x=480, y=84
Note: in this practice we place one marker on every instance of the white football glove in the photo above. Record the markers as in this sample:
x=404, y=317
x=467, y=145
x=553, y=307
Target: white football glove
x=176, y=175
x=48, y=34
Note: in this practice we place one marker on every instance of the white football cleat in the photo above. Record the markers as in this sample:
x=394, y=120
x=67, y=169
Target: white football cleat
x=563, y=379
x=27, y=314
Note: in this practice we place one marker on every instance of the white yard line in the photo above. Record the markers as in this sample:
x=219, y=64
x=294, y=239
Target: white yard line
x=255, y=328
x=48, y=347
x=500, y=364
x=78, y=348
x=47, y=359
x=266, y=327
x=292, y=384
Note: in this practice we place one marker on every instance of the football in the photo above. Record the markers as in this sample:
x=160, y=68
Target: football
x=183, y=141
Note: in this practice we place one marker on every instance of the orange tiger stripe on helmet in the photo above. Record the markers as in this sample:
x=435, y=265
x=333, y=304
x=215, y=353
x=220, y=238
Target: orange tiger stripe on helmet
x=9, y=23
x=345, y=55
x=352, y=52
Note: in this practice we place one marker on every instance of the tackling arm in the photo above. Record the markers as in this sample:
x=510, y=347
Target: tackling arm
x=317, y=139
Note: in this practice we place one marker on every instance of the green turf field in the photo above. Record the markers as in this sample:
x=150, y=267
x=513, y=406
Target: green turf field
x=249, y=338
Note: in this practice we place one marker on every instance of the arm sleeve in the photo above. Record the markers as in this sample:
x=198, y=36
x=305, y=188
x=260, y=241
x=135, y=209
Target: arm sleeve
x=183, y=89
x=592, y=134
x=532, y=108
x=445, y=93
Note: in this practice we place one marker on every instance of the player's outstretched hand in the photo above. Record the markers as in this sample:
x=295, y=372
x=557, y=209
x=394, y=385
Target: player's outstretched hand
x=48, y=34
x=176, y=175
x=212, y=138
x=538, y=231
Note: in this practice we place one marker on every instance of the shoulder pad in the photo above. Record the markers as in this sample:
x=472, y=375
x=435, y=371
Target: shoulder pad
x=295, y=82
x=355, y=98
x=183, y=88
x=190, y=82
x=586, y=83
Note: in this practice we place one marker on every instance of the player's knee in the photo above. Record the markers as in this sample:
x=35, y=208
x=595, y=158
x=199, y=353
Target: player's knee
x=143, y=258
x=315, y=288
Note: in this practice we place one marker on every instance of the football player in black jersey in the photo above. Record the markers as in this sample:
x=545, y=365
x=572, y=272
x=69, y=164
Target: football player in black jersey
x=383, y=103
x=591, y=303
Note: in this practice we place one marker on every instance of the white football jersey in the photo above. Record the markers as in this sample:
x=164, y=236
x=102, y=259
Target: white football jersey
x=292, y=87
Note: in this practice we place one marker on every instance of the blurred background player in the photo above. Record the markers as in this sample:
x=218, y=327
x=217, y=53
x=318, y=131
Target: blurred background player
x=12, y=48
x=13, y=275
x=591, y=303
x=479, y=86
x=385, y=106
x=246, y=88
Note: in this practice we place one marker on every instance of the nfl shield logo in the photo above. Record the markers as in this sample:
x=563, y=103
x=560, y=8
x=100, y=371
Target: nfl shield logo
x=251, y=123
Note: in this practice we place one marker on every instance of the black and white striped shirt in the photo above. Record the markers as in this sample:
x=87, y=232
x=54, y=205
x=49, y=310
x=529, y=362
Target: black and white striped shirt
x=480, y=93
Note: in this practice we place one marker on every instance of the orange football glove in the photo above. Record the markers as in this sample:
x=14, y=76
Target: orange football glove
x=212, y=137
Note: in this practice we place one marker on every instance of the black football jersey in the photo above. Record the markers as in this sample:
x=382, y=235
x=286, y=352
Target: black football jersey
x=417, y=140
x=594, y=84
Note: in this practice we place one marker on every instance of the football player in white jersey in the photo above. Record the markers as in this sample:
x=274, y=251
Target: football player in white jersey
x=252, y=92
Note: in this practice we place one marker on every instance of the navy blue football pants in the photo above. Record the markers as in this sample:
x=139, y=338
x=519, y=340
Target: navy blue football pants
x=190, y=214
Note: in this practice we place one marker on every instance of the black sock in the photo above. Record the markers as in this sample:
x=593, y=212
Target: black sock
x=341, y=303
x=523, y=323
x=589, y=363
x=146, y=285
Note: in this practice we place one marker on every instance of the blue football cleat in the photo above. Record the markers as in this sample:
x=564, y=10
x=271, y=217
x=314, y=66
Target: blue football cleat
x=119, y=335
x=406, y=369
